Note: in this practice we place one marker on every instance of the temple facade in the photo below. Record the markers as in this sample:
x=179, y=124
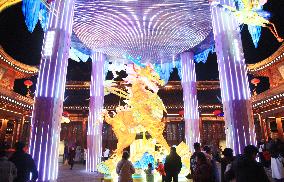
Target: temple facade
x=16, y=109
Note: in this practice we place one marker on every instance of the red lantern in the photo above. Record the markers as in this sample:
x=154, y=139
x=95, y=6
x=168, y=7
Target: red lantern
x=28, y=83
x=181, y=112
x=217, y=112
x=255, y=81
x=65, y=114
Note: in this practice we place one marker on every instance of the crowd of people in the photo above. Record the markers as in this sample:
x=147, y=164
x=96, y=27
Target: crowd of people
x=250, y=166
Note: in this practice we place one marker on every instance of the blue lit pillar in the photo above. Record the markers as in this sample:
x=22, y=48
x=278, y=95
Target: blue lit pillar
x=48, y=107
x=239, y=126
x=191, y=114
x=95, y=121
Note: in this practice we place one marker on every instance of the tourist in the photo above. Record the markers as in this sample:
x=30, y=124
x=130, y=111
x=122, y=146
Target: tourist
x=106, y=154
x=225, y=161
x=78, y=154
x=149, y=173
x=85, y=155
x=269, y=144
x=277, y=163
x=246, y=169
x=160, y=168
x=65, y=155
x=172, y=165
x=71, y=157
x=212, y=161
x=203, y=170
x=24, y=164
x=193, y=160
x=8, y=170
x=125, y=168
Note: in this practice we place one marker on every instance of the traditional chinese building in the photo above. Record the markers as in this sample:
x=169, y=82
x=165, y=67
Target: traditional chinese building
x=15, y=109
x=268, y=106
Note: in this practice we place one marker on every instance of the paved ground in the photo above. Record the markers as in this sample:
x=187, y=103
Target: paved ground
x=78, y=174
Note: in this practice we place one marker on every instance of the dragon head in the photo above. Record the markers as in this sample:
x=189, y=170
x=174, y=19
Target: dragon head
x=151, y=78
x=146, y=76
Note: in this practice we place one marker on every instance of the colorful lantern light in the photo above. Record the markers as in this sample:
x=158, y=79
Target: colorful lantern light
x=181, y=112
x=217, y=112
x=28, y=84
x=255, y=81
x=65, y=114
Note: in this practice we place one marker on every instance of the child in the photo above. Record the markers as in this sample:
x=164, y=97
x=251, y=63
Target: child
x=161, y=170
x=149, y=173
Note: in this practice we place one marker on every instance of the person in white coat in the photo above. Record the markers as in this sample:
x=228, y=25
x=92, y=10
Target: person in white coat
x=277, y=163
x=125, y=168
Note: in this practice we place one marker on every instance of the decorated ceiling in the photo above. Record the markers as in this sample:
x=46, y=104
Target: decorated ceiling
x=152, y=29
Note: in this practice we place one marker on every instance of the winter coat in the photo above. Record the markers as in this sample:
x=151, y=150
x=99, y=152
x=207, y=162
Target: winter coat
x=203, y=173
x=277, y=167
x=8, y=170
x=173, y=164
x=125, y=169
x=25, y=165
x=245, y=169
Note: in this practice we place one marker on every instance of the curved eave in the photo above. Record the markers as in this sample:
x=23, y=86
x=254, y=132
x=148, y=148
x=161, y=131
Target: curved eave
x=272, y=60
x=22, y=70
x=4, y=4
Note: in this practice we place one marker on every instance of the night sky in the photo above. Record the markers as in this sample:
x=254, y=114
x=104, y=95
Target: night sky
x=25, y=47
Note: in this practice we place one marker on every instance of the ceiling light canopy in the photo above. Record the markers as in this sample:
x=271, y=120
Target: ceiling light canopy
x=154, y=29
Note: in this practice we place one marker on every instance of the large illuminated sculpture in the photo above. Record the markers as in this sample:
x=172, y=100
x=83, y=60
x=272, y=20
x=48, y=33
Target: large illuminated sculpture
x=158, y=31
x=144, y=109
x=250, y=13
x=143, y=112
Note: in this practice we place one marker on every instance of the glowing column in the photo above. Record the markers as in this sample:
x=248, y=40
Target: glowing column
x=95, y=122
x=191, y=115
x=47, y=113
x=233, y=78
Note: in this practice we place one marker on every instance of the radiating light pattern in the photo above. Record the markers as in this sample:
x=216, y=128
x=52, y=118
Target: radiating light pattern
x=95, y=123
x=48, y=105
x=191, y=115
x=239, y=126
x=152, y=29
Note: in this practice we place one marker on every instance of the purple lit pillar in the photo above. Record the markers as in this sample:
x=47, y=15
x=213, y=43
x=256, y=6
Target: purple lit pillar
x=191, y=115
x=49, y=95
x=235, y=91
x=95, y=122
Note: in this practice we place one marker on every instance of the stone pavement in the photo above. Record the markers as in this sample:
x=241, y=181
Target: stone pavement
x=78, y=174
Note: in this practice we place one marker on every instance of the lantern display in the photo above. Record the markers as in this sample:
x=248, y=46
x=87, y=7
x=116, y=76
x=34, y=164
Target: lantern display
x=28, y=84
x=181, y=112
x=255, y=81
x=217, y=112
